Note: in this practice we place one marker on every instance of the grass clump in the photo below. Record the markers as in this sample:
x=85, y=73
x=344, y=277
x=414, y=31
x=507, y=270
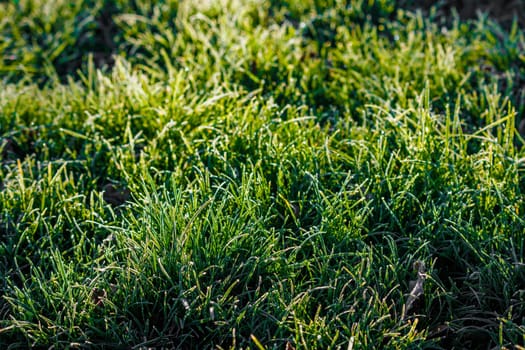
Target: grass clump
x=260, y=174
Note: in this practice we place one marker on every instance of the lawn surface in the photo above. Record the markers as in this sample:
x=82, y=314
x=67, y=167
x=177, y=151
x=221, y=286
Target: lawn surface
x=260, y=174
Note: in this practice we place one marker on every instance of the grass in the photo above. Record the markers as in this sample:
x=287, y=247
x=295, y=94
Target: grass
x=260, y=174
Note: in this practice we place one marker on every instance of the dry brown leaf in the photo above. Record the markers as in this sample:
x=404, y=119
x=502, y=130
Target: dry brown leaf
x=289, y=346
x=416, y=287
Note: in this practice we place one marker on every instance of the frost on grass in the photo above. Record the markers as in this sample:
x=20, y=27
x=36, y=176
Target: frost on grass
x=260, y=174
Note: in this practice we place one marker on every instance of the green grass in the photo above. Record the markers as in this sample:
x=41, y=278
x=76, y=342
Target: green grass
x=260, y=174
